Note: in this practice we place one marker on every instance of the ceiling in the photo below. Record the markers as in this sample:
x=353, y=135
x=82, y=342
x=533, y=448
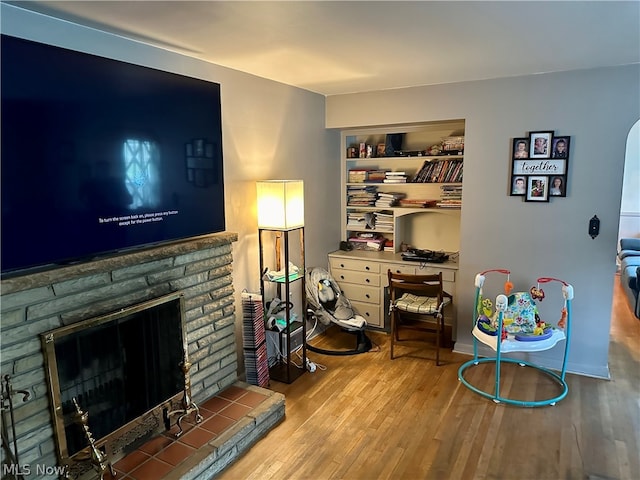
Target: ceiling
x=344, y=47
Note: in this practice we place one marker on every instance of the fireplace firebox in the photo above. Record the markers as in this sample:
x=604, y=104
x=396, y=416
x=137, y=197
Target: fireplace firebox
x=125, y=369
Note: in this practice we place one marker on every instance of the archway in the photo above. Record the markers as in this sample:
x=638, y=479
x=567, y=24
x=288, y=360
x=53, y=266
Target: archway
x=629, y=222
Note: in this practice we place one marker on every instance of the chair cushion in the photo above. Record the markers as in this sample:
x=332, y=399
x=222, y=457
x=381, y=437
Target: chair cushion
x=417, y=304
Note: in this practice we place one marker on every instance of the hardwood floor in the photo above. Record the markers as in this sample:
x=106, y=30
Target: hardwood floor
x=367, y=417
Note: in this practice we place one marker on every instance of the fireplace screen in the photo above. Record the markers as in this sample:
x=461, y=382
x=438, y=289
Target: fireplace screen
x=117, y=367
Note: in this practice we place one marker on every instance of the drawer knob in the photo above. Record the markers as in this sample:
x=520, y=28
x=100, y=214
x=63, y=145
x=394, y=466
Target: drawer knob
x=342, y=277
x=367, y=295
x=367, y=280
x=366, y=268
x=342, y=265
x=367, y=314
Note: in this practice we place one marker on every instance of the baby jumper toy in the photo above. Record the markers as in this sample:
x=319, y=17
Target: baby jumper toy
x=516, y=326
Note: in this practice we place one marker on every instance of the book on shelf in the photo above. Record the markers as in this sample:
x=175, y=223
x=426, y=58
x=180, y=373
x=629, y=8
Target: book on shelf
x=395, y=177
x=451, y=190
x=381, y=220
x=442, y=171
x=383, y=214
x=357, y=176
x=450, y=204
x=389, y=199
x=376, y=175
x=450, y=196
x=395, y=180
x=418, y=203
x=361, y=196
x=356, y=220
x=367, y=175
x=384, y=226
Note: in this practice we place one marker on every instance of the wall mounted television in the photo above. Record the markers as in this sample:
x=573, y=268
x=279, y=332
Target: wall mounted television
x=101, y=156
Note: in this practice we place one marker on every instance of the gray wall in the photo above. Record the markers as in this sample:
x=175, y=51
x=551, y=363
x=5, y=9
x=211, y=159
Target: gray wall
x=596, y=108
x=271, y=130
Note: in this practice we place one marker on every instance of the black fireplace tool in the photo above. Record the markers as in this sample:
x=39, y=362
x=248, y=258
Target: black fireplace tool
x=12, y=456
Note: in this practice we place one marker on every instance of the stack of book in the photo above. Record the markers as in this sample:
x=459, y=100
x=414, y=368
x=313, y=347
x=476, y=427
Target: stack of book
x=363, y=175
x=443, y=171
x=389, y=199
x=376, y=176
x=418, y=203
x=388, y=245
x=361, y=196
x=395, y=177
x=383, y=220
x=450, y=196
x=357, y=176
x=356, y=220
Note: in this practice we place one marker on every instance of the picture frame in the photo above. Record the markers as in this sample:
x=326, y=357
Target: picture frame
x=560, y=147
x=540, y=144
x=558, y=186
x=520, y=148
x=537, y=188
x=518, y=185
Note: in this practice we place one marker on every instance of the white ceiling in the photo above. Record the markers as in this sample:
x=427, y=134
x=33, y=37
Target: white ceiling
x=344, y=47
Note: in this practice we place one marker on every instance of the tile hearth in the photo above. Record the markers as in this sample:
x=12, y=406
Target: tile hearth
x=232, y=421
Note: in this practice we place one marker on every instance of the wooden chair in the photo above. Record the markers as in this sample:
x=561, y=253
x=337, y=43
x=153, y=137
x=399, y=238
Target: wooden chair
x=415, y=300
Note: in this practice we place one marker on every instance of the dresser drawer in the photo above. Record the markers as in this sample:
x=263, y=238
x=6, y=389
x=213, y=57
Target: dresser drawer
x=396, y=268
x=360, y=278
x=351, y=264
x=406, y=269
x=361, y=293
x=447, y=275
x=370, y=312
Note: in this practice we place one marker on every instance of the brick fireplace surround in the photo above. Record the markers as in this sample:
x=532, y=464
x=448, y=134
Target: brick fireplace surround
x=199, y=268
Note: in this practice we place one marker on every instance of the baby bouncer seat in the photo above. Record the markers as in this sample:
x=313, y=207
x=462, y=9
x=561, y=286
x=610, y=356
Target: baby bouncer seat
x=515, y=326
x=327, y=305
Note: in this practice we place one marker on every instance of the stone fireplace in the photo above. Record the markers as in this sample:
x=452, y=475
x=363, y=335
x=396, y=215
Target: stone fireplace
x=199, y=269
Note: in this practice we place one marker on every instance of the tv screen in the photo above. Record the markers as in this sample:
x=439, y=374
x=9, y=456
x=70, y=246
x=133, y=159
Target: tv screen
x=102, y=156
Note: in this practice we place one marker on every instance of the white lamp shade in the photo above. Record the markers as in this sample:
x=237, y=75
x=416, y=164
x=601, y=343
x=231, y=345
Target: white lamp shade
x=280, y=204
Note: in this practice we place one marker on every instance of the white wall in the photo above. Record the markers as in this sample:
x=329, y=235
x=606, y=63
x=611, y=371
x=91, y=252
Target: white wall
x=597, y=109
x=270, y=131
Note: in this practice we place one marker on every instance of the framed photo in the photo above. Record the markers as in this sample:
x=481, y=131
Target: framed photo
x=540, y=144
x=558, y=186
x=537, y=189
x=520, y=148
x=518, y=185
x=560, y=147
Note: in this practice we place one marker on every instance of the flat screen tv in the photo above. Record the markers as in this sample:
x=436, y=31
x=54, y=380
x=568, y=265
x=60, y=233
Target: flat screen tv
x=101, y=156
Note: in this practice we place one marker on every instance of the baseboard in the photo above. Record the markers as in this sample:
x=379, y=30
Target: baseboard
x=602, y=373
